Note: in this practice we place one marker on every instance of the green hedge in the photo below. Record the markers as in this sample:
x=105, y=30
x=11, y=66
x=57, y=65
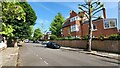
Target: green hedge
x=101, y=37
x=114, y=37
x=68, y=39
x=53, y=37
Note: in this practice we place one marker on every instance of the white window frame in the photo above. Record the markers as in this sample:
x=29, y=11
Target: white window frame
x=108, y=22
x=95, y=26
x=74, y=18
x=74, y=28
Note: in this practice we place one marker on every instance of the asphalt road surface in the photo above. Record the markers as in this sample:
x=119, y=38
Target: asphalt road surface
x=32, y=54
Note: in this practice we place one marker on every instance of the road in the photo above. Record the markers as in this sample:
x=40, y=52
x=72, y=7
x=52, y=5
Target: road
x=32, y=54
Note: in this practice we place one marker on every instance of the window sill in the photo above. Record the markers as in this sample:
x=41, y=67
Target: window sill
x=94, y=30
x=110, y=28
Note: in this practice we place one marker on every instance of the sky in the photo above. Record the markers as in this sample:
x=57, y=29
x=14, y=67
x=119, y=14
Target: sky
x=46, y=11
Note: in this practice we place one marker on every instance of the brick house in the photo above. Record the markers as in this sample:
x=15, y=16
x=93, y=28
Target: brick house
x=72, y=26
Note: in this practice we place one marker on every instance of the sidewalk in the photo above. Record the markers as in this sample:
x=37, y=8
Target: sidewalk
x=8, y=56
x=97, y=53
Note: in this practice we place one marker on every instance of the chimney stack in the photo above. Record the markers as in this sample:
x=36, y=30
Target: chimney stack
x=104, y=13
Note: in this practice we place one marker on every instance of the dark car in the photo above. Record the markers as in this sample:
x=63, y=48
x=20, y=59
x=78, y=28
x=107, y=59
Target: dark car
x=53, y=45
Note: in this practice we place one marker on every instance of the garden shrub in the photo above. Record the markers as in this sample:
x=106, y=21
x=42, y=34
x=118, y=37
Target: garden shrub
x=101, y=37
x=53, y=37
x=114, y=37
x=85, y=37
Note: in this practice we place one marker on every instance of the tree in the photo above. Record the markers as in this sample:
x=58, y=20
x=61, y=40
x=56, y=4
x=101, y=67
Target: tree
x=56, y=24
x=30, y=19
x=6, y=30
x=37, y=34
x=90, y=9
x=11, y=15
x=19, y=18
x=30, y=14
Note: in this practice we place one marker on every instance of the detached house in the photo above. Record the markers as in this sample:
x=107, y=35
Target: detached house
x=73, y=27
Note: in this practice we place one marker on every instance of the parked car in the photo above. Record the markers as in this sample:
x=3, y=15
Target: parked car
x=53, y=45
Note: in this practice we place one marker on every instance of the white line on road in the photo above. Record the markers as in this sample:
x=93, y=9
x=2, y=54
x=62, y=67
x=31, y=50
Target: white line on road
x=45, y=62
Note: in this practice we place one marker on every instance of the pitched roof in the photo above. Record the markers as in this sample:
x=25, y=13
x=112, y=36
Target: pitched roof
x=66, y=23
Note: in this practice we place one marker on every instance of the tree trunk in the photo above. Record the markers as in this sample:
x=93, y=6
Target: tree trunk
x=10, y=42
x=90, y=28
x=15, y=43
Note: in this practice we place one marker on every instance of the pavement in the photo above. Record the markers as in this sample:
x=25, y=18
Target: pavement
x=97, y=53
x=8, y=56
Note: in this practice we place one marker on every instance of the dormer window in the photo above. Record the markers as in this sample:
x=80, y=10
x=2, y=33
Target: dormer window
x=74, y=18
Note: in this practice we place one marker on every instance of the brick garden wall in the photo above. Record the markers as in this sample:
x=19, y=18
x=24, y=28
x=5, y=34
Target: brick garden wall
x=106, y=45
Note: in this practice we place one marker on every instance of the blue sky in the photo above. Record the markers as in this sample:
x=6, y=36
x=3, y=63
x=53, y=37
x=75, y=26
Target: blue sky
x=46, y=11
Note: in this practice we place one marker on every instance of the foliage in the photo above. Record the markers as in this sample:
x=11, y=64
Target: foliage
x=37, y=34
x=114, y=37
x=85, y=37
x=13, y=14
x=20, y=16
x=68, y=38
x=101, y=37
x=30, y=19
x=30, y=14
x=53, y=37
x=56, y=24
x=7, y=30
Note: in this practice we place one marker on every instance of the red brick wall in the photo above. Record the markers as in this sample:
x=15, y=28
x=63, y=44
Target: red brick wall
x=65, y=31
x=72, y=14
x=106, y=45
x=100, y=29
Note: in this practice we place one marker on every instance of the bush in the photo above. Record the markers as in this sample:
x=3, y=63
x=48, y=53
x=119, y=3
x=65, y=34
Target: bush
x=101, y=37
x=53, y=37
x=60, y=38
x=85, y=37
x=68, y=38
x=76, y=38
x=114, y=37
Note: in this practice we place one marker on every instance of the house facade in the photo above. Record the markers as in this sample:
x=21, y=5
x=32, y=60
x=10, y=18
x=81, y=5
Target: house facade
x=73, y=27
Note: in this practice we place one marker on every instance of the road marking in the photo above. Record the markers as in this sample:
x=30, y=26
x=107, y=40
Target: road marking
x=45, y=62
